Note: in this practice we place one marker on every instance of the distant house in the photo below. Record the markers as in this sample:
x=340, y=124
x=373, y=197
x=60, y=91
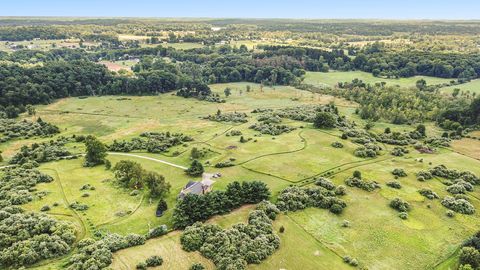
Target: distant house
x=198, y=188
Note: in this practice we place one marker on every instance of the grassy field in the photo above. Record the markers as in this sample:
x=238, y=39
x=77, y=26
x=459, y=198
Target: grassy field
x=472, y=87
x=332, y=78
x=313, y=239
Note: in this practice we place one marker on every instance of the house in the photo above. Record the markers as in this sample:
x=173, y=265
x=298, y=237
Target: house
x=198, y=188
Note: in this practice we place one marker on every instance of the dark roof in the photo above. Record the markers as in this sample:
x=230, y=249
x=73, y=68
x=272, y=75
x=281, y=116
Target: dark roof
x=190, y=183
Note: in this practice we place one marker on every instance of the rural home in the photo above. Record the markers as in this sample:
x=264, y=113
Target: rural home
x=198, y=188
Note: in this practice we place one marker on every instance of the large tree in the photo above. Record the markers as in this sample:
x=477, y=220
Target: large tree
x=96, y=152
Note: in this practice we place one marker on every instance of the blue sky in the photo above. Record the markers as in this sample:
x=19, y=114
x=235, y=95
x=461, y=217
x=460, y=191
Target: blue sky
x=388, y=9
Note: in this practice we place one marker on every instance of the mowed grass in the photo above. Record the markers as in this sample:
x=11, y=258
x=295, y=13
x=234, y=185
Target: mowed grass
x=472, y=87
x=332, y=78
x=168, y=247
x=467, y=146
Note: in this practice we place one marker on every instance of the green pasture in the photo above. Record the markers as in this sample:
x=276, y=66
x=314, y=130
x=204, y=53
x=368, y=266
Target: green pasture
x=334, y=77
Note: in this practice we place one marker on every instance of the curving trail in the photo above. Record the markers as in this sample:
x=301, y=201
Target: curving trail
x=148, y=158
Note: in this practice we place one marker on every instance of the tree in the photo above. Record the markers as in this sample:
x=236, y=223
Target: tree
x=227, y=91
x=471, y=256
x=421, y=84
x=421, y=129
x=324, y=120
x=31, y=110
x=96, y=152
x=129, y=173
x=357, y=174
x=156, y=184
x=195, y=169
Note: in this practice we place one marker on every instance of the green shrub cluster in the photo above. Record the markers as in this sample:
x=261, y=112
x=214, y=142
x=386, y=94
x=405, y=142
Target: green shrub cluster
x=458, y=205
x=470, y=253
x=30, y=237
x=236, y=247
x=428, y=193
x=296, y=198
x=151, y=261
x=337, y=145
x=11, y=129
x=399, y=172
x=424, y=175
x=234, y=117
x=92, y=254
x=234, y=132
x=400, y=205
x=399, y=151
x=394, y=184
x=41, y=152
x=452, y=174
x=17, y=184
x=271, y=129
x=152, y=142
x=362, y=184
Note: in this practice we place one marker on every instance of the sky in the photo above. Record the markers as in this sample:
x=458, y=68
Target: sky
x=308, y=9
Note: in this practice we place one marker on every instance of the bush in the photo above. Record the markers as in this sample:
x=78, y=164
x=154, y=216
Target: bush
x=337, y=145
x=236, y=247
x=157, y=231
x=400, y=205
x=359, y=183
x=153, y=261
x=197, y=266
x=325, y=183
x=295, y=198
x=351, y=261
x=458, y=205
x=45, y=208
x=394, y=184
x=428, y=193
x=399, y=173
x=403, y=215
x=141, y=266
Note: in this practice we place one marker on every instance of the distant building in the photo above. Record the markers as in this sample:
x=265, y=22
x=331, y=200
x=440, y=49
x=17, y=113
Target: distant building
x=198, y=188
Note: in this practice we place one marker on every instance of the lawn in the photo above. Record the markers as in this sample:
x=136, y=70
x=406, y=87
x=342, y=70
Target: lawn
x=333, y=77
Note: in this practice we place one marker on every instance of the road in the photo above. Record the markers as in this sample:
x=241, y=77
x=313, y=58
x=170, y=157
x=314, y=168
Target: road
x=149, y=158
x=130, y=155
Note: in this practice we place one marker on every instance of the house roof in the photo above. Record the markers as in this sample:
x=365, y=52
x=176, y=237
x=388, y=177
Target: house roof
x=194, y=188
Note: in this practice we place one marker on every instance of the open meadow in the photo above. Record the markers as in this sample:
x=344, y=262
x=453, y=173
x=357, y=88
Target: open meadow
x=313, y=238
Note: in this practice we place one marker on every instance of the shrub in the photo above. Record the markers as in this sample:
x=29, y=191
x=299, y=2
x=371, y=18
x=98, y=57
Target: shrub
x=428, y=193
x=394, y=184
x=153, y=261
x=337, y=145
x=359, y=183
x=157, y=231
x=197, y=266
x=325, y=183
x=400, y=205
x=236, y=247
x=399, y=173
x=141, y=266
x=403, y=215
x=458, y=205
